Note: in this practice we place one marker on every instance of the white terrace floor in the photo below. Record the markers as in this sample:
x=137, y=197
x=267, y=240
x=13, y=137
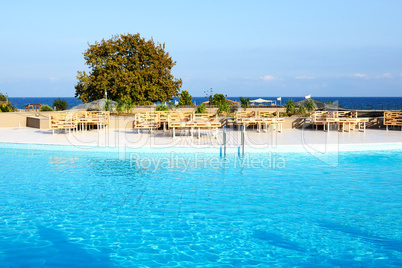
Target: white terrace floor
x=290, y=138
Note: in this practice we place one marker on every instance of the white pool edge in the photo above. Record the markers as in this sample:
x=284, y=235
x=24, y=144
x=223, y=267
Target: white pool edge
x=311, y=148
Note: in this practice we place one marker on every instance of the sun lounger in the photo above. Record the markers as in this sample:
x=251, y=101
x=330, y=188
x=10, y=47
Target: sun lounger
x=393, y=119
x=268, y=119
x=206, y=121
x=146, y=121
x=83, y=119
x=65, y=121
x=344, y=120
x=319, y=118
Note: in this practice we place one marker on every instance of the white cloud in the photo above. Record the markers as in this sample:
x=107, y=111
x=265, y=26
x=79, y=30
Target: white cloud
x=305, y=77
x=384, y=75
x=268, y=78
x=53, y=79
x=361, y=75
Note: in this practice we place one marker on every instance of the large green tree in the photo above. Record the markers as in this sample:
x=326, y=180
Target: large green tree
x=129, y=68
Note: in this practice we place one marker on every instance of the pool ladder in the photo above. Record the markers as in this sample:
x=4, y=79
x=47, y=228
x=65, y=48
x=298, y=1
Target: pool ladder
x=241, y=147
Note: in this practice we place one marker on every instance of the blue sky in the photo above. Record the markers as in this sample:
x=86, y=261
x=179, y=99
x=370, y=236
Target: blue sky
x=239, y=48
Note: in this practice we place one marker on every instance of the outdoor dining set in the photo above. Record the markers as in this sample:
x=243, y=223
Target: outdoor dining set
x=198, y=123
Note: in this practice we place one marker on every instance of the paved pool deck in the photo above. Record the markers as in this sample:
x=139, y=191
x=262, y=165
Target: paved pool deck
x=291, y=139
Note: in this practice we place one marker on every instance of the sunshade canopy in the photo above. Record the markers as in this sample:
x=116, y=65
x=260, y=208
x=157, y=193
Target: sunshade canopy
x=261, y=100
x=96, y=105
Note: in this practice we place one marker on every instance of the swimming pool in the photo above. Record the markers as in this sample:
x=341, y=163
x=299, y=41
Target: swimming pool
x=99, y=209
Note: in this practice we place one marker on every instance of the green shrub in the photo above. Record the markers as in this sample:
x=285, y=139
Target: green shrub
x=245, y=102
x=201, y=109
x=290, y=106
x=6, y=108
x=217, y=99
x=120, y=106
x=46, y=108
x=331, y=102
x=185, y=98
x=108, y=105
x=224, y=107
x=302, y=109
x=129, y=105
x=171, y=105
x=60, y=104
x=3, y=97
x=162, y=107
x=310, y=105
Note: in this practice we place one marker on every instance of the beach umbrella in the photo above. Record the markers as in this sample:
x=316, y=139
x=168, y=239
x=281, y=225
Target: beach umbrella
x=259, y=100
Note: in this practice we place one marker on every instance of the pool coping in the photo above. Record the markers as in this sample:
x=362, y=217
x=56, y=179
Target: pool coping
x=308, y=148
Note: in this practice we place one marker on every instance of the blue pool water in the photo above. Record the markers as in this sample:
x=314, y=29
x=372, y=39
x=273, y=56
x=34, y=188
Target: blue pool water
x=75, y=208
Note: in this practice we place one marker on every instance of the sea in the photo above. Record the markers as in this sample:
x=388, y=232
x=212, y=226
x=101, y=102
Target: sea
x=353, y=103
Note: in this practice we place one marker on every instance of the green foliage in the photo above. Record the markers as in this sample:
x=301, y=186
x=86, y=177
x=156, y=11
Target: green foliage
x=60, y=104
x=217, y=99
x=130, y=68
x=201, y=109
x=162, y=107
x=171, y=105
x=331, y=102
x=3, y=97
x=185, y=98
x=108, y=105
x=310, y=105
x=6, y=107
x=290, y=106
x=245, y=102
x=46, y=108
x=129, y=105
x=220, y=99
x=224, y=107
x=302, y=109
x=120, y=106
